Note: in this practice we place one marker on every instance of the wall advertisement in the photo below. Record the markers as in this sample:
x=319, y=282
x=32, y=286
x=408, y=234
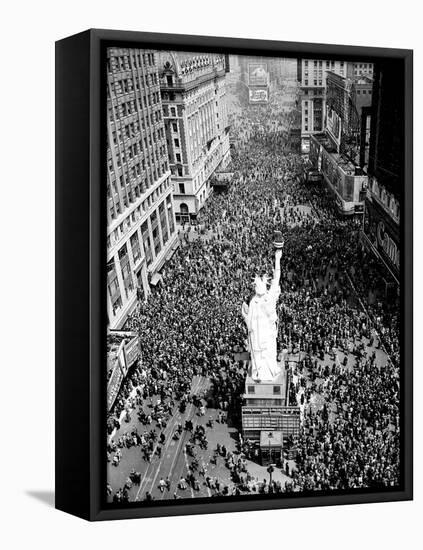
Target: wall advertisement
x=257, y=74
x=383, y=234
x=258, y=95
x=127, y=355
x=334, y=125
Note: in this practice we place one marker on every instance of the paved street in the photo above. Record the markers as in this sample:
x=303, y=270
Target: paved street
x=175, y=461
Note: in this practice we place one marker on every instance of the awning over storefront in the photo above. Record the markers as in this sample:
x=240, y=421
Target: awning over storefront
x=270, y=439
x=172, y=250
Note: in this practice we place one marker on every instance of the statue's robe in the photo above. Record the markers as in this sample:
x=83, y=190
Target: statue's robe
x=262, y=333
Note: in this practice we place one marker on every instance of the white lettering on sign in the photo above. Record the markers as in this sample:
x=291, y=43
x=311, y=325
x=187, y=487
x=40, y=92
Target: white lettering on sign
x=388, y=245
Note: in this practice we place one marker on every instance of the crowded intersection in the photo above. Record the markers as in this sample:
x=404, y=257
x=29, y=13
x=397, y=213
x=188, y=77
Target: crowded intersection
x=175, y=430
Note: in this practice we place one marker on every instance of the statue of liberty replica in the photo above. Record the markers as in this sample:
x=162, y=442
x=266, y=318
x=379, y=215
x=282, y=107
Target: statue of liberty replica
x=269, y=420
x=261, y=319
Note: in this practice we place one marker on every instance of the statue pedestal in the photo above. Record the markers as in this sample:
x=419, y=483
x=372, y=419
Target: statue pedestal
x=267, y=415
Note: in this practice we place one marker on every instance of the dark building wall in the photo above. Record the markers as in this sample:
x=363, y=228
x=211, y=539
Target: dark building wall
x=386, y=162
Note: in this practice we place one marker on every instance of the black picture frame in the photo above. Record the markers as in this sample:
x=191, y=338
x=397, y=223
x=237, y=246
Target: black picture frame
x=80, y=274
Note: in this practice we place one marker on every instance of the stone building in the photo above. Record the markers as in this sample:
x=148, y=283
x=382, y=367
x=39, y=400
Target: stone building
x=141, y=231
x=193, y=94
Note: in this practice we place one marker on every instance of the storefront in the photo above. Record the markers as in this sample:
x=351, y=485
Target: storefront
x=271, y=445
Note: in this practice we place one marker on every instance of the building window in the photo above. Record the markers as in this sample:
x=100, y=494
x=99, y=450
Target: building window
x=117, y=304
x=135, y=247
x=155, y=232
x=162, y=216
x=147, y=243
x=277, y=390
x=174, y=127
x=178, y=157
x=113, y=286
x=176, y=141
x=170, y=215
x=182, y=189
x=250, y=389
x=127, y=278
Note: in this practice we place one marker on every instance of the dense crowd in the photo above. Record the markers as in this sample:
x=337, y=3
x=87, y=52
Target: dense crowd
x=332, y=298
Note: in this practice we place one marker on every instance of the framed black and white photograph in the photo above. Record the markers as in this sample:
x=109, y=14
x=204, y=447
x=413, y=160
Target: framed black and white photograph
x=239, y=260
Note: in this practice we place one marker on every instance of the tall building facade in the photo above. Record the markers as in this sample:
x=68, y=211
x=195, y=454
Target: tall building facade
x=338, y=151
x=386, y=166
x=362, y=69
x=193, y=92
x=348, y=100
x=312, y=75
x=141, y=230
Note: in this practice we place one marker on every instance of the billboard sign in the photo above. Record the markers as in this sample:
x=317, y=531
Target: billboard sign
x=333, y=173
x=334, y=125
x=259, y=95
x=383, y=234
x=305, y=146
x=257, y=74
x=114, y=385
x=122, y=358
x=132, y=351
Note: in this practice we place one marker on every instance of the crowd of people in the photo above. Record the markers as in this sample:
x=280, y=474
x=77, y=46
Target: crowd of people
x=332, y=300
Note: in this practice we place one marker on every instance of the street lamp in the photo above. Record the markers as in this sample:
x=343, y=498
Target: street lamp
x=270, y=468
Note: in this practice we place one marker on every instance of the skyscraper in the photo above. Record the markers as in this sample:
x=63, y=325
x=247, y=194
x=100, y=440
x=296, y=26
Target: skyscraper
x=386, y=165
x=140, y=214
x=193, y=91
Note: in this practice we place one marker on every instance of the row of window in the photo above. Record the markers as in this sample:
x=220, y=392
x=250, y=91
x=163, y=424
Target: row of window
x=132, y=129
x=314, y=92
x=123, y=109
x=169, y=111
x=132, y=219
x=125, y=62
x=137, y=175
x=319, y=62
x=132, y=175
x=157, y=237
x=135, y=151
x=276, y=390
x=133, y=193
